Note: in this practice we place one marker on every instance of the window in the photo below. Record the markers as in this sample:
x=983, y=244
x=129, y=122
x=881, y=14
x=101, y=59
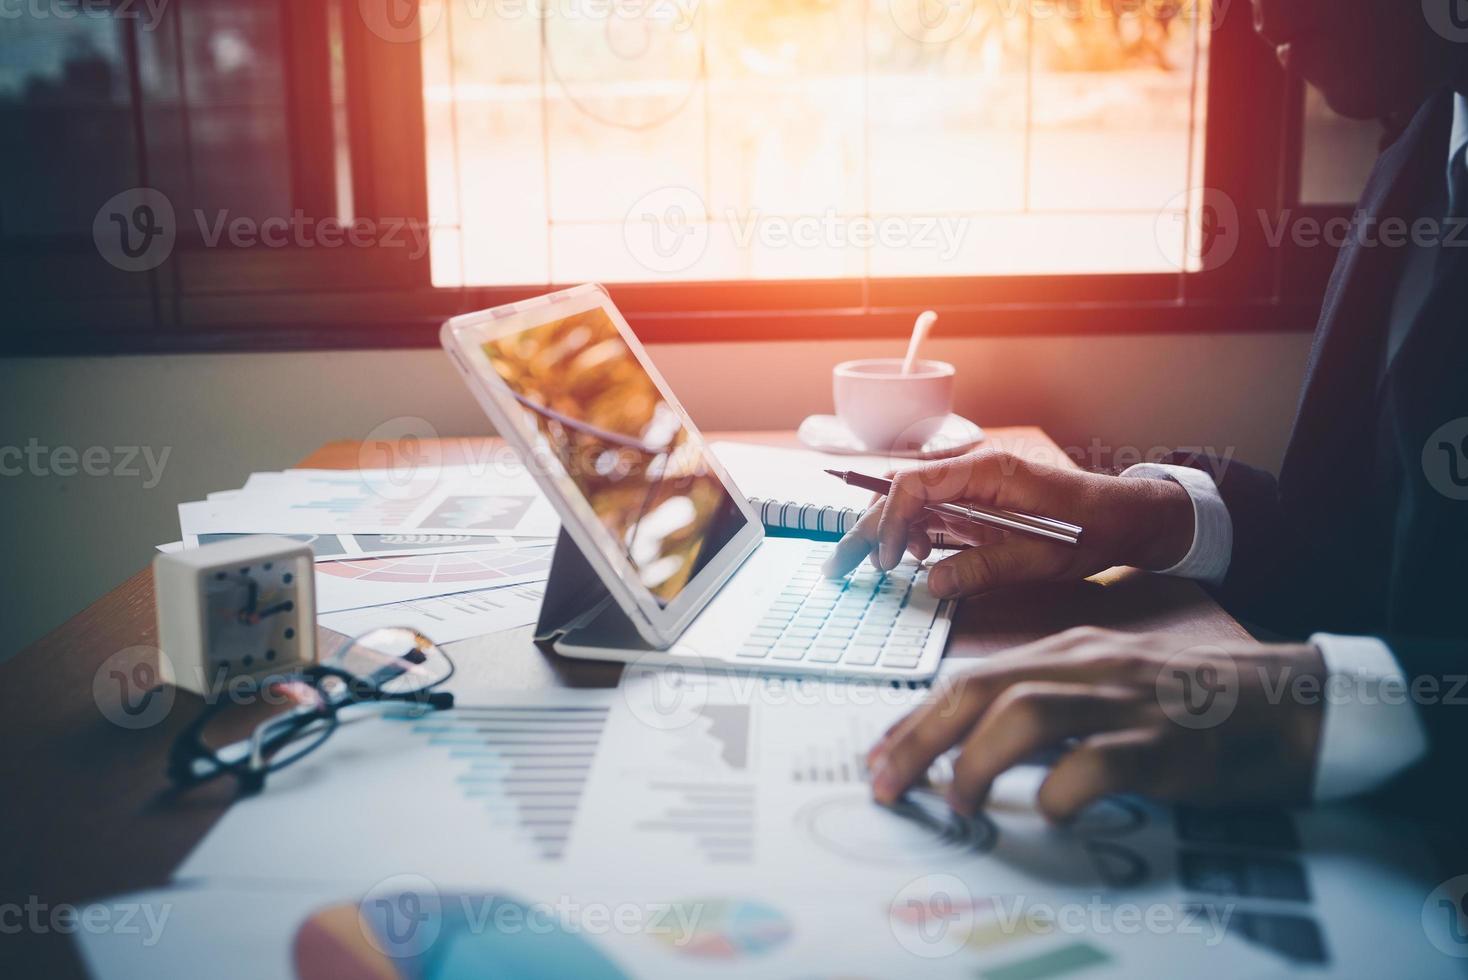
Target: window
x=177, y=174
x=807, y=139
x=249, y=174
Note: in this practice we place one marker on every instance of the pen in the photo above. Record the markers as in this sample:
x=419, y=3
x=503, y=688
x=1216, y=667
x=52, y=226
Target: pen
x=1006, y=520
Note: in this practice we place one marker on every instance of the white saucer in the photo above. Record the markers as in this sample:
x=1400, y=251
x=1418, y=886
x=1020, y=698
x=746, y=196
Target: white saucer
x=829, y=434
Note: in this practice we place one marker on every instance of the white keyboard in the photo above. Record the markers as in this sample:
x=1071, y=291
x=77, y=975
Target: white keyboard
x=867, y=619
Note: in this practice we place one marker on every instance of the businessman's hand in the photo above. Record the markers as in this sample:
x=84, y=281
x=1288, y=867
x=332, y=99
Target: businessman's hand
x=1141, y=522
x=1152, y=714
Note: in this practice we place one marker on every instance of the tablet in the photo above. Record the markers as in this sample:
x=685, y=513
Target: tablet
x=568, y=385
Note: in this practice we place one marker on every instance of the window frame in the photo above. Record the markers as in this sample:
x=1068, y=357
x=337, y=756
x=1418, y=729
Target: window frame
x=292, y=299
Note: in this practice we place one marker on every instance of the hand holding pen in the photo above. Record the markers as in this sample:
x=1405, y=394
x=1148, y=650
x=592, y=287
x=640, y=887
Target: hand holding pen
x=1126, y=521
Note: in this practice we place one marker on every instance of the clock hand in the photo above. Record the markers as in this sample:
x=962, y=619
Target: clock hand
x=279, y=607
x=247, y=614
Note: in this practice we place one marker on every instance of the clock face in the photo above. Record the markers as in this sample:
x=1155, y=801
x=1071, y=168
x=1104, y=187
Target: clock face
x=253, y=616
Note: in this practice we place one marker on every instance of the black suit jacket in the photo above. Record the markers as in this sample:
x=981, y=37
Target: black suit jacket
x=1352, y=536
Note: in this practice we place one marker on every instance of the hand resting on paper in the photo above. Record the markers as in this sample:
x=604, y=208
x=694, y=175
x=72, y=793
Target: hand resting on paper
x=1156, y=714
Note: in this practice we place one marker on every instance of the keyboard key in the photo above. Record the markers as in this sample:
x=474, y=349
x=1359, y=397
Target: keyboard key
x=902, y=652
x=922, y=606
x=825, y=655
x=861, y=656
x=789, y=653
x=752, y=652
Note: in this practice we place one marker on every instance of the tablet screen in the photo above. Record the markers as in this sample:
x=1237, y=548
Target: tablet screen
x=644, y=473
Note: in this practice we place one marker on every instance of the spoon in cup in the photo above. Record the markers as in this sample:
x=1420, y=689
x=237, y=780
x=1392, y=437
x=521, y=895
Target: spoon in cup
x=920, y=329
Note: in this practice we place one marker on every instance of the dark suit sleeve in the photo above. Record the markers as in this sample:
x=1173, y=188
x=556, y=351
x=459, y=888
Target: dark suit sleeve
x=1268, y=581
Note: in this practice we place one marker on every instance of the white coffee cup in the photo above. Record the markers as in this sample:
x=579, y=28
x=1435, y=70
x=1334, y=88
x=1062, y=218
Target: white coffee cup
x=890, y=411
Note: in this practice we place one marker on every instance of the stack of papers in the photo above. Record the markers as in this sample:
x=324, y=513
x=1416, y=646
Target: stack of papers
x=454, y=552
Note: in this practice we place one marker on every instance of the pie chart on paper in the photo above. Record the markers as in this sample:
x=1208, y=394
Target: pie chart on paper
x=725, y=929
x=370, y=941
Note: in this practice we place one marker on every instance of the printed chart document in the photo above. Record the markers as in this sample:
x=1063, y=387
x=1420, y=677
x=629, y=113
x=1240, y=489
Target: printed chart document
x=375, y=581
x=336, y=547
x=411, y=927
x=445, y=619
x=764, y=780
x=444, y=500
x=466, y=794
x=737, y=810
x=729, y=770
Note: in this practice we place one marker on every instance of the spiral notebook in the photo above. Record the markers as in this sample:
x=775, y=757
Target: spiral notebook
x=788, y=519
x=770, y=476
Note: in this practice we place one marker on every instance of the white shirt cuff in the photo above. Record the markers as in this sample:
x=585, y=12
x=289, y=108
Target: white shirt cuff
x=1213, y=530
x=1370, y=730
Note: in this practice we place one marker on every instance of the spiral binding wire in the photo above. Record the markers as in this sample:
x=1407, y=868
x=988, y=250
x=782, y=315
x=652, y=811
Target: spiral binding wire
x=787, y=515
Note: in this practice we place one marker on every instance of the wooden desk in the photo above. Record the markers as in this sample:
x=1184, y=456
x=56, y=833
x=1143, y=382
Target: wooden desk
x=86, y=817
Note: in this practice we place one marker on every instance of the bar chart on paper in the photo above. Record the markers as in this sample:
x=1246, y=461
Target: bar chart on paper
x=526, y=764
x=838, y=755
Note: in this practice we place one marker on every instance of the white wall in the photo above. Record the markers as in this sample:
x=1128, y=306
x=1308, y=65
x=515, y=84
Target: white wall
x=70, y=538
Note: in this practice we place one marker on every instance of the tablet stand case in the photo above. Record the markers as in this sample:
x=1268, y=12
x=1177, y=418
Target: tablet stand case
x=577, y=601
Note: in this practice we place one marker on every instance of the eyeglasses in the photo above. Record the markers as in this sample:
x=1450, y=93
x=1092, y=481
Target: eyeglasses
x=384, y=666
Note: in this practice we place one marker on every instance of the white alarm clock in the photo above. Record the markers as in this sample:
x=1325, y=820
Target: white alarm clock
x=241, y=608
